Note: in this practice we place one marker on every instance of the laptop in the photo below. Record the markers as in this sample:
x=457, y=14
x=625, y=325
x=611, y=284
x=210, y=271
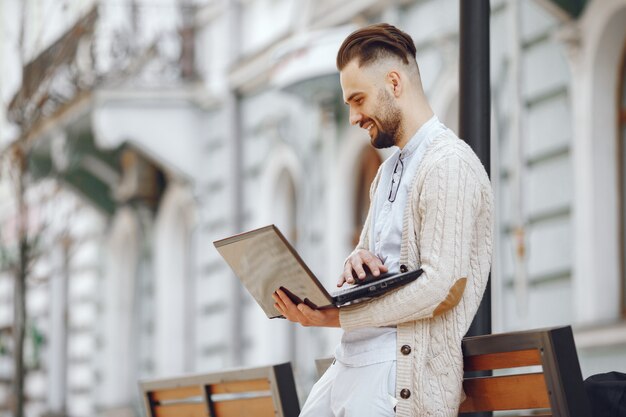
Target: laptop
x=265, y=261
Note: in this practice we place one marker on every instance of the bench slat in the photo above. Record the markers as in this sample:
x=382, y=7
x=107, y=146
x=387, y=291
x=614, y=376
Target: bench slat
x=240, y=386
x=531, y=415
x=181, y=410
x=257, y=407
x=510, y=392
x=534, y=415
x=503, y=360
x=176, y=393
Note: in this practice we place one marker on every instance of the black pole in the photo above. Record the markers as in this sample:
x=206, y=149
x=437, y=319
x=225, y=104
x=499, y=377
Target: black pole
x=475, y=117
x=475, y=108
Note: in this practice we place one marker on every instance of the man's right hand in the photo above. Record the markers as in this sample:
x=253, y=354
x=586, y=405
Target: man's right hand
x=355, y=263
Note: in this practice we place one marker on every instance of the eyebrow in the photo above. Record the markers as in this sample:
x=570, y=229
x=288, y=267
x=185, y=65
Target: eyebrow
x=349, y=99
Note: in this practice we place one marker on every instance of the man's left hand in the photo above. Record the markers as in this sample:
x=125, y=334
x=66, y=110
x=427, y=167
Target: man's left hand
x=304, y=314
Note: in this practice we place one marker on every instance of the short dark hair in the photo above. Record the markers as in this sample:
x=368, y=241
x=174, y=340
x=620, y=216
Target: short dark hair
x=374, y=42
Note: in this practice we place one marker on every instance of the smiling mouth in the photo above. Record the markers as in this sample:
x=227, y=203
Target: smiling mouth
x=368, y=126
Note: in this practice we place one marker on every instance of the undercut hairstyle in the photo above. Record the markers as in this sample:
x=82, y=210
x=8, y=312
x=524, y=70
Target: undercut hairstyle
x=372, y=43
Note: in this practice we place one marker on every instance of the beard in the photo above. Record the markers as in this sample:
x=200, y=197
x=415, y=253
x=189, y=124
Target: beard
x=389, y=122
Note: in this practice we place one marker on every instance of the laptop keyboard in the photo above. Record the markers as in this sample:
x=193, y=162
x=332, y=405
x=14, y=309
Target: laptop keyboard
x=369, y=278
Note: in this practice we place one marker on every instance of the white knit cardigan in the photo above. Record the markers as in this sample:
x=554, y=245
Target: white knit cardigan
x=447, y=231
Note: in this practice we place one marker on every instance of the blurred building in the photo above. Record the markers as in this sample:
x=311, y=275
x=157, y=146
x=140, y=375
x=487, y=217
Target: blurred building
x=157, y=127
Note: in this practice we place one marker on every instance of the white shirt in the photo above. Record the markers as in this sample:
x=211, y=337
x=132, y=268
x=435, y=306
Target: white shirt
x=378, y=344
x=387, y=216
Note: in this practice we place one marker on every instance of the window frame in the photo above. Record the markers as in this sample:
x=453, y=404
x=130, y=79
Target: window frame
x=621, y=138
x=368, y=163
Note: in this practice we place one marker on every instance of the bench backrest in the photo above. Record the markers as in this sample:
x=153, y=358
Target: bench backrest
x=553, y=385
x=268, y=391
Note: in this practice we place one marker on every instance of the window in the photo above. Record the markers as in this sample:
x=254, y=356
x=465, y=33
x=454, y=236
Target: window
x=370, y=161
x=174, y=319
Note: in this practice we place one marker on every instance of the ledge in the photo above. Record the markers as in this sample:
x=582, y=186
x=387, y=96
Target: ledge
x=602, y=335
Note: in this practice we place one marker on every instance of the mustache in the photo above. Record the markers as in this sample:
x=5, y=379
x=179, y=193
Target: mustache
x=362, y=123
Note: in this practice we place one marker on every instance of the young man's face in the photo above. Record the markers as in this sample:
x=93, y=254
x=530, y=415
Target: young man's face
x=372, y=106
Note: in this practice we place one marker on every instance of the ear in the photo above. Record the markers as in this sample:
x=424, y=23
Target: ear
x=395, y=83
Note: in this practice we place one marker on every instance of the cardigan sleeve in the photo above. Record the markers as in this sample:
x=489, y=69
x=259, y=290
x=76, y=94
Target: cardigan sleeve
x=449, y=202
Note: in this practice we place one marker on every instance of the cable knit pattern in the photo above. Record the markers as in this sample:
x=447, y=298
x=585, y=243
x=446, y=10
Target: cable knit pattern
x=447, y=231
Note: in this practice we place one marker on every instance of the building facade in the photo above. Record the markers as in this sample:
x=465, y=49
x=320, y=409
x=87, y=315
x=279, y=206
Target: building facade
x=157, y=127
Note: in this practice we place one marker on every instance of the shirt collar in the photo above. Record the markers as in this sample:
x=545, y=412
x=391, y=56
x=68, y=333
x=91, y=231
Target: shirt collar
x=422, y=133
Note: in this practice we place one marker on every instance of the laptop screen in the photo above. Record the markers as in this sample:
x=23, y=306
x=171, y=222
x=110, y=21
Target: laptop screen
x=264, y=261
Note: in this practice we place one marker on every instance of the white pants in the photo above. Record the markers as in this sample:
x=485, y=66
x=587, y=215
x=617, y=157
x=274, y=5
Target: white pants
x=353, y=392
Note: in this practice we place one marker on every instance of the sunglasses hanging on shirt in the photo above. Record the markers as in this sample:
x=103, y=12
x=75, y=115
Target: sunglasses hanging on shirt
x=395, y=179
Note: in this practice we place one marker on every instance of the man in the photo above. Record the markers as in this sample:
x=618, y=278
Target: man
x=431, y=208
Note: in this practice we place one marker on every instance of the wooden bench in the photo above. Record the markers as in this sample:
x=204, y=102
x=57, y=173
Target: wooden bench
x=553, y=386
x=268, y=391
x=554, y=389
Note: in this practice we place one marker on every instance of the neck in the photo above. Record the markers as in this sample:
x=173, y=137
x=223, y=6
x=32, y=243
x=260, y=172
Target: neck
x=419, y=114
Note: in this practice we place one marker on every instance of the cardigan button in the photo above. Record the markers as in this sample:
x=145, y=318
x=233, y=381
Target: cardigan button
x=403, y=268
x=406, y=349
x=405, y=393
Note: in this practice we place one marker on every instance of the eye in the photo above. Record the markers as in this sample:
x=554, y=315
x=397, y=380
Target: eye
x=360, y=100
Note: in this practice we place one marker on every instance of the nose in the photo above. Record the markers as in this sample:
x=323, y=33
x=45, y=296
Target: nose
x=355, y=116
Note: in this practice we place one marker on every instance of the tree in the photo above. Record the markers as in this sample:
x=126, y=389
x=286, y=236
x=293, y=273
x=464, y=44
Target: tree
x=19, y=159
x=19, y=258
